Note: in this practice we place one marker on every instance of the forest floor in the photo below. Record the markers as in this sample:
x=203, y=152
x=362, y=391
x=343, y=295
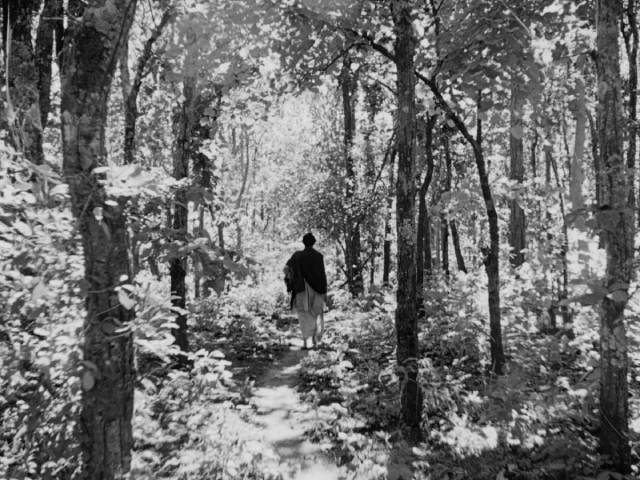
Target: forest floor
x=282, y=420
x=257, y=406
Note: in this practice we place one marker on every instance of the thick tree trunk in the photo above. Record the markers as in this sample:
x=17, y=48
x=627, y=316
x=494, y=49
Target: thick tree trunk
x=517, y=221
x=353, y=248
x=182, y=124
x=615, y=217
x=23, y=101
x=406, y=315
x=423, y=257
x=630, y=34
x=108, y=380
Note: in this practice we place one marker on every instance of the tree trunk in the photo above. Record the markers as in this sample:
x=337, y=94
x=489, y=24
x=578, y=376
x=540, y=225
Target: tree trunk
x=423, y=257
x=444, y=222
x=386, y=259
x=23, y=101
x=436, y=233
x=444, y=247
x=615, y=217
x=108, y=379
x=577, y=175
x=182, y=124
x=353, y=262
x=534, y=155
x=517, y=221
x=50, y=28
x=197, y=264
x=203, y=165
x=221, y=236
x=492, y=260
x=131, y=93
x=491, y=254
x=630, y=34
x=456, y=246
x=563, y=282
x=406, y=315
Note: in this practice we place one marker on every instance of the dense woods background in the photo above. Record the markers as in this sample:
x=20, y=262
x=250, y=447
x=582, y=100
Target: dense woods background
x=468, y=168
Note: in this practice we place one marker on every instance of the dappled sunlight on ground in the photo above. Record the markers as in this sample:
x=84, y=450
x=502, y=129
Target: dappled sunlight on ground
x=282, y=419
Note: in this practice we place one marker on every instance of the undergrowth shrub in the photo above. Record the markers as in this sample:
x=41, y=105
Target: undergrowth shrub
x=41, y=289
x=454, y=331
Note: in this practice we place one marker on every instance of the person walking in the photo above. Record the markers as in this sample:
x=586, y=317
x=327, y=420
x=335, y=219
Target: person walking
x=307, y=281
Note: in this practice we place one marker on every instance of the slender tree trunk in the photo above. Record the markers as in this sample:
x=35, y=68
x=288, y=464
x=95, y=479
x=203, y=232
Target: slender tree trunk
x=386, y=259
x=615, y=217
x=423, y=215
x=245, y=165
x=444, y=247
x=353, y=248
x=456, y=246
x=550, y=276
x=492, y=259
x=563, y=282
x=491, y=254
x=49, y=30
x=406, y=315
x=202, y=164
x=108, y=379
x=577, y=175
x=132, y=92
x=436, y=233
x=221, y=236
x=517, y=222
x=444, y=221
x=534, y=155
x=182, y=125
x=23, y=99
x=372, y=272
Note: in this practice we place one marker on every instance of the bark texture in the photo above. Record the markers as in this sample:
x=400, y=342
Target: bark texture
x=631, y=40
x=455, y=237
x=107, y=400
x=353, y=247
x=48, y=40
x=423, y=254
x=577, y=174
x=406, y=314
x=444, y=220
x=22, y=112
x=182, y=124
x=615, y=218
x=517, y=221
x=132, y=91
x=386, y=247
x=492, y=253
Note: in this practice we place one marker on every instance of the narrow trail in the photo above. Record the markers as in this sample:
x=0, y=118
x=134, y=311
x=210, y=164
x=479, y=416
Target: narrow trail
x=283, y=418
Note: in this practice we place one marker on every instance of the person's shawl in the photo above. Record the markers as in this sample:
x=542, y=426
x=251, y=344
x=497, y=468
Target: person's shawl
x=306, y=265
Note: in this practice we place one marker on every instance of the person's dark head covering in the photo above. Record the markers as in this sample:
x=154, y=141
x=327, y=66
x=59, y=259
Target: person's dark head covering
x=309, y=240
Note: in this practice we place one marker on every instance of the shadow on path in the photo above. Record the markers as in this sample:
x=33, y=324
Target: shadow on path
x=283, y=419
